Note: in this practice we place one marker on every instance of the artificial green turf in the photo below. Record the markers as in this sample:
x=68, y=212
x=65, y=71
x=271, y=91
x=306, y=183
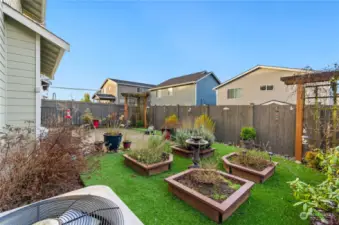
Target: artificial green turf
x=270, y=203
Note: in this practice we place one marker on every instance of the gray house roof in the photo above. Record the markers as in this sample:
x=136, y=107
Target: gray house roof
x=130, y=83
x=185, y=79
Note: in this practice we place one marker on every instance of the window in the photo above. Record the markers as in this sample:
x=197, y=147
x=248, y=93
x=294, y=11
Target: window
x=170, y=91
x=269, y=87
x=234, y=93
x=158, y=93
x=266, y=87
x=139, y=89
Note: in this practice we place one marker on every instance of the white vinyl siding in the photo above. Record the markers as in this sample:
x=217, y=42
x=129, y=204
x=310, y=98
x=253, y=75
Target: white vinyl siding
x=21, y=58
x=3, y=78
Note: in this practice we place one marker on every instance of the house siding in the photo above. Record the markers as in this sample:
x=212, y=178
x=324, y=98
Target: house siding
x=15, y=4
x=3, y=77
x=205, y=93
x=21, y=71
x=251, y=92
x=182, y=95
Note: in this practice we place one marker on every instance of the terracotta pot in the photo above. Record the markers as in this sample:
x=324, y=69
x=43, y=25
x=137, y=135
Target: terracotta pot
x=127, y=144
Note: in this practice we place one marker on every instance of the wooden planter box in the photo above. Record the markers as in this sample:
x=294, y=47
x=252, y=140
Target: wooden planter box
x=247, y=173
x=216, y=211
x=189, y=154
x=148, y=170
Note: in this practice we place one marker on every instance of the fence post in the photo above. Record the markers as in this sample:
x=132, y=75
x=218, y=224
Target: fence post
x=178, y=111
x=251, y=115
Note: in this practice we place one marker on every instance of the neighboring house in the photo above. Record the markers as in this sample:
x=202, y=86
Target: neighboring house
x=258, y=85
x=111, y=89
x=191, y=89
x=27, y=51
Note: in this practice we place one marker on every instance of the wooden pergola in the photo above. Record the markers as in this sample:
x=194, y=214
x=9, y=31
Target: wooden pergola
x=300, y=81
x=142, y=96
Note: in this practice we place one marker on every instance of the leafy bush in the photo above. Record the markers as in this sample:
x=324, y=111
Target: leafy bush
x=312, y=160
x=87, y=117
x=319, y=200
x=253, y=159
x=157, y=151
x=204, y=121
x=139, y=123
x=32, y=170
x=181, y=136
x=248, y=133
x=205, y=134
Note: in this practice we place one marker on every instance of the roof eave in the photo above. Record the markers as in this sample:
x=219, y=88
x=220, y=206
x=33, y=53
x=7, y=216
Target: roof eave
x=36, y=27
x=172, y=85
x=254, y=69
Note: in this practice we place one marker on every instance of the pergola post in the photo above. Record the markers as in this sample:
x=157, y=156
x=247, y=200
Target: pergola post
x=145, y=112
x=299, y=122
x=126, y=108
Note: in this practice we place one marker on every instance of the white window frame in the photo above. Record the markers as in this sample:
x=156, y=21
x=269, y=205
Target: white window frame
x=234, y=90
x=158, y=93
x=170, y=91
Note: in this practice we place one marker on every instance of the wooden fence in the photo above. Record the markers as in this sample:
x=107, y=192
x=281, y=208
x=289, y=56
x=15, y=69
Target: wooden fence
x=275, y=124
x=56, y=110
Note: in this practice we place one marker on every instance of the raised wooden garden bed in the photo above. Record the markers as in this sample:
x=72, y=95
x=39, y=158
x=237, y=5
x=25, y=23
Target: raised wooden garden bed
x=189, y=153
x=245, y=172
x=148, y=170
x=217, y=211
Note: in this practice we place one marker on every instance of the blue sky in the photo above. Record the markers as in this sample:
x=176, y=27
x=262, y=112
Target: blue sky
x=151, y=41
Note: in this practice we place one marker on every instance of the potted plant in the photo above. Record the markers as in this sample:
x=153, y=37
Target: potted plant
x=248, y=135
x=126, y=142
x=253, y=165
x=153, y=159
x=214, y=193
x=95, y=122
x=113, y=137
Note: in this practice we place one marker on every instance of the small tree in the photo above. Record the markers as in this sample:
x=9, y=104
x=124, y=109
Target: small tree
x=86, y=98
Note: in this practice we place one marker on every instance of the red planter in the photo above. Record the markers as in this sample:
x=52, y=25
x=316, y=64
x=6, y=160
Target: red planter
x=96, y=123
x=127, y=144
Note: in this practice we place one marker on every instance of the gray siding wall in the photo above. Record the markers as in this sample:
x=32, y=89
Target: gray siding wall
x=205, y=93
x=3, y=77
x=21, y=73
x=182, y=95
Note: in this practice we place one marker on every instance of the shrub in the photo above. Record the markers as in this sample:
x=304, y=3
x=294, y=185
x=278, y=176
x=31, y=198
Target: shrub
x=312, y=160
x=317, y=201
x=181, y=136
x=139, y=123
x=87, y=117
x=248, y=133
x=204, y=121
x=171, y=122
x=253, y=159
x=157, y=151
x=33, y=170
x=205, y=134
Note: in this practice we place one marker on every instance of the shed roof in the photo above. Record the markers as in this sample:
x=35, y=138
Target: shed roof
x=100, y=96
x=185, y=79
